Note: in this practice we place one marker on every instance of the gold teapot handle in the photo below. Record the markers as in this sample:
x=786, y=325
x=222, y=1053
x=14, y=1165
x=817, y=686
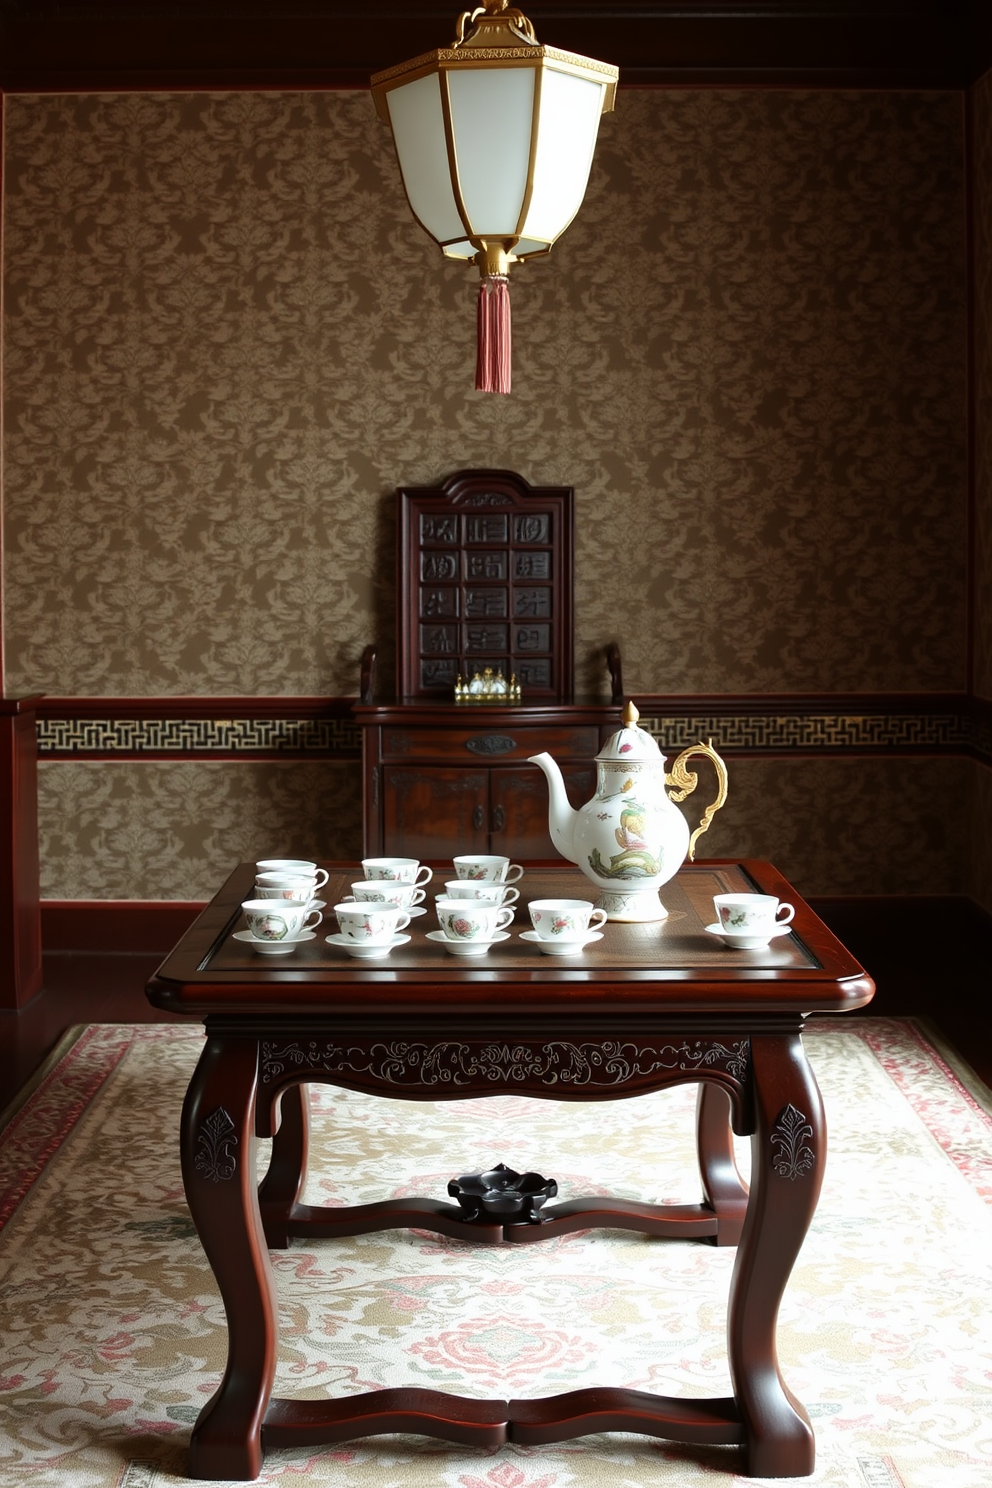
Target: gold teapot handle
x=687, y=780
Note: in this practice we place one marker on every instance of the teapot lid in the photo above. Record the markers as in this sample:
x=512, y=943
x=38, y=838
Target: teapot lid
x=630, y=743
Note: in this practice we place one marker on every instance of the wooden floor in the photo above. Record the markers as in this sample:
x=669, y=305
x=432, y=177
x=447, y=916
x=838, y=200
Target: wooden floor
x=946, y=978
x=79, y=988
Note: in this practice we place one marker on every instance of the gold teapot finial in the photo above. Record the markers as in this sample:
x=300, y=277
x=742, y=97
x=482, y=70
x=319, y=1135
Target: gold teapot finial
x=630, y=714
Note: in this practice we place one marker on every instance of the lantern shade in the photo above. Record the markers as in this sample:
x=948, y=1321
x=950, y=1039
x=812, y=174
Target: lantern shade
x=495, y=151
x=495, y=137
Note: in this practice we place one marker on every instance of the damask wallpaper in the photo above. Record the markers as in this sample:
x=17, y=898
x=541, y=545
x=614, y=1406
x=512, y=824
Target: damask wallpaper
x=174, y=831
x=226, y=343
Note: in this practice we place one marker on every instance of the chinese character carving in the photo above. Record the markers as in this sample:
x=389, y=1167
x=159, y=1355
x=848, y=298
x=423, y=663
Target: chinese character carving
x=486, y=529
x=435, y=603
x=439, y=566
x=532, y=566
x=485, y=638
x=480, y=603
x=487, y=565
x=532, y=602
x=534, y=528
x=436, y=638
x=438, y=529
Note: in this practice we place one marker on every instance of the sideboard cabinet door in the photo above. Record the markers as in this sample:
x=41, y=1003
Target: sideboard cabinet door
x=426, y=809
x=519, y=808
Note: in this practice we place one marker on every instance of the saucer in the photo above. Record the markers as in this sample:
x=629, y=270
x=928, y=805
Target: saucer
x=466, y=947
x=570, y=947
x=366, y=952
x=272, y=947
x=734, y=941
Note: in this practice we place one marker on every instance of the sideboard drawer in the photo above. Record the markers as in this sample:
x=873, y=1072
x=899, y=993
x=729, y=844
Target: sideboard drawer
x=493, y=743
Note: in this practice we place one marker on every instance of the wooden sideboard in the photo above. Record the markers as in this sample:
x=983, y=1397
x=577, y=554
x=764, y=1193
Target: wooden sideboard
x=444, y=778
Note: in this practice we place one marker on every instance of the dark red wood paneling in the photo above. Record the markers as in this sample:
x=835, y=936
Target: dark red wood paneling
x=20, y=926
x=65, y=45
x=132, y=927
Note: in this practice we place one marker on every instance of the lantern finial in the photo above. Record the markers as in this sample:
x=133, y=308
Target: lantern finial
x=485, y=20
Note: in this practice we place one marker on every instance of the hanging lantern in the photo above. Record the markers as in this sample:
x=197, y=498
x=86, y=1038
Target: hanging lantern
x=495, y=137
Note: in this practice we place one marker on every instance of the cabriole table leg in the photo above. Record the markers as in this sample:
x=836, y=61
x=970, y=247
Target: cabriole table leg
x=218, y=1159
x=788, y=1151
x=723, y=1186
x=280, y=1189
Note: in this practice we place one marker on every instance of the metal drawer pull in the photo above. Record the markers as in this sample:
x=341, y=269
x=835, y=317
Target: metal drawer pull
x=491, y=744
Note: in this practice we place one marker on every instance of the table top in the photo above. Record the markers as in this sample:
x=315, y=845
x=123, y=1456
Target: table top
x=665, y=967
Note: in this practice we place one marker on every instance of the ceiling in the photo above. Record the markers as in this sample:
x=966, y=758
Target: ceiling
x=68, y=45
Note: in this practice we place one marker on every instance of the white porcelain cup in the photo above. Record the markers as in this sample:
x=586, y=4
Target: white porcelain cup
x=385, y=891
x=751, y=914
x=477, y=867
x=483, y=888
x=400, y=870
x=302, y=867
x=565, y=919
x=279, y=919
x=471, y=919
x=371, y=924
x=284, y=886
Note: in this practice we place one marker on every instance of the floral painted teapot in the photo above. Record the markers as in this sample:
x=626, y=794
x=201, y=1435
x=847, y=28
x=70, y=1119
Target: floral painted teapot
x=631, y=837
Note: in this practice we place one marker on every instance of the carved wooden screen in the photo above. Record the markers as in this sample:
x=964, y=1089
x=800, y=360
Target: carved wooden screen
x=485, y=580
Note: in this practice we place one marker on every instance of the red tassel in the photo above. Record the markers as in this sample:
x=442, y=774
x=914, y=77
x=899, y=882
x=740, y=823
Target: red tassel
x=492, y=367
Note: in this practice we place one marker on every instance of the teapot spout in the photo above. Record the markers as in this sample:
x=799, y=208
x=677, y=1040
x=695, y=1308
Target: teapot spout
x=561, y=816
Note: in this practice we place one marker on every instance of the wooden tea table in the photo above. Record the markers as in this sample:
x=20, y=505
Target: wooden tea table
x=646, y=1007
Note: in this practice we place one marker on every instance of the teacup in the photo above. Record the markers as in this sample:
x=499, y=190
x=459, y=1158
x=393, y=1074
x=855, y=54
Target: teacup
x=565, y=919
x=370, y=924
x=299, y=866
x=751, y=914
x=284, y=886
x=279, y=919
x=471, y=919
x=386, y=891
x=399, y=870
x=483, y=888
x=479, y=867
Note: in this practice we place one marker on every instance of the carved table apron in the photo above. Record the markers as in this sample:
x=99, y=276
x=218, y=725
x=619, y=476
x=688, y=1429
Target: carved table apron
x=653, y=1006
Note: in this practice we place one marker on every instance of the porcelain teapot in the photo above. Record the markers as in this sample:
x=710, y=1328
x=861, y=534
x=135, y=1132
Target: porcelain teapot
x=631, y=837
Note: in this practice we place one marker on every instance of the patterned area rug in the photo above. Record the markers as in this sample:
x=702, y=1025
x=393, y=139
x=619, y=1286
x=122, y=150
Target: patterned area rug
x=113, y=1336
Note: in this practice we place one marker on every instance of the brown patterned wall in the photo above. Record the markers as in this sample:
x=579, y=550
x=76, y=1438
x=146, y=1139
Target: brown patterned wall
x=174, y=830
x=226, y=344
x=833, y=826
